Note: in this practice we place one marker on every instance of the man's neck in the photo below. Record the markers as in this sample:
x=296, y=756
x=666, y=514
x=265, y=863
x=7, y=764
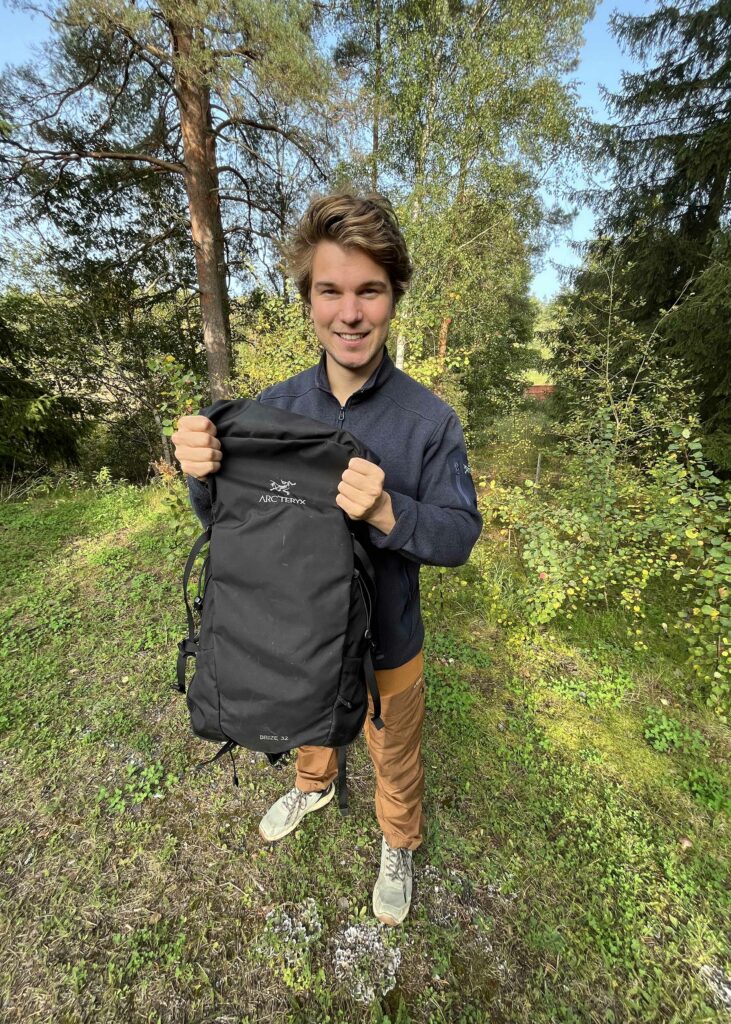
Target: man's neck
x=345, y=382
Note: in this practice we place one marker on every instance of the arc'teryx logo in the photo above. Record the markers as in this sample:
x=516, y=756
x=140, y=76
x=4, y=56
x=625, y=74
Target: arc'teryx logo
x=282, y=487
x=280, y=492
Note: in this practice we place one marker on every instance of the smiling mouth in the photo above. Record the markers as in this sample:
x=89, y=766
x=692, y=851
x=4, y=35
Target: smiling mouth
x=352, y=337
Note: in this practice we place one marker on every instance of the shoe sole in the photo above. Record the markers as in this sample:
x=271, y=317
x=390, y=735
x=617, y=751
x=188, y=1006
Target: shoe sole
x=324, y=799
x=391, y=921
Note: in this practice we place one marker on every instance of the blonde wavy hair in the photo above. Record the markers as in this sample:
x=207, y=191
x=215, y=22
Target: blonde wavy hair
x=367, y=222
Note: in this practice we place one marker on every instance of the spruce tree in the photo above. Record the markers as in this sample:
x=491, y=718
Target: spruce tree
x=670, y=195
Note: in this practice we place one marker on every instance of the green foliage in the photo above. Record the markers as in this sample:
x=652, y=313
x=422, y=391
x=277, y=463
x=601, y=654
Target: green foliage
x=180, y=391
x=274, y=340
x=150, y=782
x=150, y=948
x=606, y=686
x=663, y=732
x=609, y=531
x=667, y=734
x=697, y=333
x=40, y=424
x=706, y=786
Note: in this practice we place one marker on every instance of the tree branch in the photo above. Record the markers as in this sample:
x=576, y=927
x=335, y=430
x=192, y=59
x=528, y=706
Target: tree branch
x=99, y=154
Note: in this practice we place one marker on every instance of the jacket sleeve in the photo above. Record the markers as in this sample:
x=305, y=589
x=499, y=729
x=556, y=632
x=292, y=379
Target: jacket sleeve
x=441, y=525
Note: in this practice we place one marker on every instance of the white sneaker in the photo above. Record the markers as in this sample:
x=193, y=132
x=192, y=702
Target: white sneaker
x=285, y=815
x=392, y=892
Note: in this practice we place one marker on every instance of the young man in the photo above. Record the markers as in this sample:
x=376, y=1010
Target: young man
x=418, y=506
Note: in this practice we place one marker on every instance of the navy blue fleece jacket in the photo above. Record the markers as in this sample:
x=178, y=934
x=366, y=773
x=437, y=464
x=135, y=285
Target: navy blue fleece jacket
x=418, y=442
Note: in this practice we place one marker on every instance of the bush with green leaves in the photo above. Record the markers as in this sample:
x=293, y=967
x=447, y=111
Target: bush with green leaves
x=274, y=340
x=610, y=529
x=181, y=391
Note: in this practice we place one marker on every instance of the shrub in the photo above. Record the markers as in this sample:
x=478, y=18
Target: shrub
x=610, y=529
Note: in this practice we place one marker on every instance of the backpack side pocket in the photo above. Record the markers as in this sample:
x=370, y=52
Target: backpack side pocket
x=351, y=704
x=203, y=698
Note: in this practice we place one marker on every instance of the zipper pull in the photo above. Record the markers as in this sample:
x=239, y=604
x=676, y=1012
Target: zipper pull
x=341, y=415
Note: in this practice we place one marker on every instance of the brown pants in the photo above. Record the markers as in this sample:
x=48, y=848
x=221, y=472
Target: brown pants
x=396, y=755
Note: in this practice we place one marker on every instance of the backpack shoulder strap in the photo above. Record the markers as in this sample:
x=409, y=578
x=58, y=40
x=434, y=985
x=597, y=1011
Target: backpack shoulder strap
x=188, y=646
x=367, y=579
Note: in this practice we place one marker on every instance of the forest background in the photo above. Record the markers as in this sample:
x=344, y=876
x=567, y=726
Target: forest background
x=154, y=157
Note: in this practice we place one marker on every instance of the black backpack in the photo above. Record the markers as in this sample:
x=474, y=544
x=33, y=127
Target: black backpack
x=286, y=594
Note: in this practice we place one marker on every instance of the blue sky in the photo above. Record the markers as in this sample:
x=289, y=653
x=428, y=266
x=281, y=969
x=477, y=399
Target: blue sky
x=601, y=63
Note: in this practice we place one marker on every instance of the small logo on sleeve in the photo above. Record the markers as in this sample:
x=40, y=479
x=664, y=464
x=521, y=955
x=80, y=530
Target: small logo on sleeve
x=462, y=480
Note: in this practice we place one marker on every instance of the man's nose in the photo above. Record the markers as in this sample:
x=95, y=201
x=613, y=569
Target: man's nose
x=350, y=309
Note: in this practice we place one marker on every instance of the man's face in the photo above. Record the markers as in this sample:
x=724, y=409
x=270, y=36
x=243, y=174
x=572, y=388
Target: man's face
x=351, y=304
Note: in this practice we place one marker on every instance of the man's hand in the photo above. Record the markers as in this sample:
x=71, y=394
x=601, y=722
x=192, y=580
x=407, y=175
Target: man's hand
x=197, y=448
x=361, y=495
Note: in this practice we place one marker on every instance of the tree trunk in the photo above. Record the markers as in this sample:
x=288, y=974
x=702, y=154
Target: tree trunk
x=201, y=184
x=376, y=98
x=166, y=453
x=443, y=333
x=400, y=349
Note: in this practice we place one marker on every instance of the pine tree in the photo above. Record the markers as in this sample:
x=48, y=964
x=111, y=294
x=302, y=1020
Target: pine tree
x=189, y=90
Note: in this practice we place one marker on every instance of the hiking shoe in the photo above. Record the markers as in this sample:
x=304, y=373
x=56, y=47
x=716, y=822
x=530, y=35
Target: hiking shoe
x=285, y=815
x=392, y=892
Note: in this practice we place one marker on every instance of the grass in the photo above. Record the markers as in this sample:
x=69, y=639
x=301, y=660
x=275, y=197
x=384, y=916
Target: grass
x=575, y=862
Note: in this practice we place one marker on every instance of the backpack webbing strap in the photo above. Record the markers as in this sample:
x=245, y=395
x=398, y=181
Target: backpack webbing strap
x=226, y=749
x=342, y=782
x=368, y=594
x=194, y=551
x=365, y=563
x=188, y=646
x=373, y=687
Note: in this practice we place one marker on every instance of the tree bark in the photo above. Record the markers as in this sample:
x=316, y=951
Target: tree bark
x=400, y=349
x=376, y=98
x=166, y=453
x=201, y=184
x=443, y=334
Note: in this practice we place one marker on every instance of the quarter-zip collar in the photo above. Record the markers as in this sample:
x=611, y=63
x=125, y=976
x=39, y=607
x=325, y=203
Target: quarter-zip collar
x=379, y=376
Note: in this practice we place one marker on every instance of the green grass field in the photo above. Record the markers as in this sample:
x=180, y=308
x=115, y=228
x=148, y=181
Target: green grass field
x=575, y=863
